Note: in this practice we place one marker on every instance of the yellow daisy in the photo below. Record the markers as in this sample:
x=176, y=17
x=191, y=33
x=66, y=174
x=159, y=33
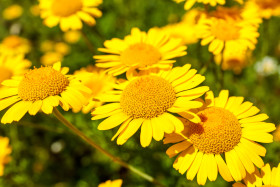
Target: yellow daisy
x=147, y=101
x=141, y=51
x=5, y=151
x=265, y=178
x=109, y=183
x=266, y=8
x=12, y=12
x=229, y=128
x=98, y=82
x=189, y=3
x=50, y=58
x=14, y=44
x=72, y=36
x=12, y=66
x=69, y=14
x=41, y=89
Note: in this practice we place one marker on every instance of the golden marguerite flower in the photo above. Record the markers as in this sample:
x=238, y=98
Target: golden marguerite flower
x=265, y=178
x=5, y=151
x=98, y=82
x=141, y=51
x=189, y=3
x=41, y=89
x=69, y=14
x=12, y=66
x=12, y=12
x=14, y=44
x=266, y=8
x=148, y=101
x=229, y=128
x=109, y=183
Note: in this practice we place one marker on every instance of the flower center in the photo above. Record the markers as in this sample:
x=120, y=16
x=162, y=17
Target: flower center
x=41, y=83
x=65, y=8
x=268, y=4
x=141, y=53
x=147, y=97
x=5, y=74
x=218, y=132
x=225, y=29
x=12, y=41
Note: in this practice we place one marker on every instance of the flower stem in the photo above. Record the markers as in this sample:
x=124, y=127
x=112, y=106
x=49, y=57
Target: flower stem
x=89, y=44
x=76, y=131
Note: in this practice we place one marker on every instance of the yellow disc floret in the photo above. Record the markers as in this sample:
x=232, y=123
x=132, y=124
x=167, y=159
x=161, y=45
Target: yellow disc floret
x=140, y=53
x=65, y=8
x=40, y=83
x=218, y=132
x=147, y=97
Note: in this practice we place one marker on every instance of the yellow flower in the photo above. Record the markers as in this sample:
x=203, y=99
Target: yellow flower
x=41, y=89
x=229, y=128
x=69, y=13
x=5, y=151
x=266, y=8
x=187, y=25
x=189, y=3
x=276, y=134
x=98, y=81
x=147, y=101
x=47, y=46
x=12, y=66
x=72, y=36
x=141, y=51
x=109, y=183
x=12, y=12
x=50, y=58
x=235, y=58
x=265, y=178
x=62, y=48
x=14, y=44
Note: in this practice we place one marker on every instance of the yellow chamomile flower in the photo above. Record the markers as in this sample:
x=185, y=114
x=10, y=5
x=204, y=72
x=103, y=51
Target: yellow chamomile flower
x=189, y=3
x=266, y=9
x=72, y=36
x=267, y=178
x=12, y=12
x=148, y=101
x=109, y=183
x=41, y=89
x=5, y=151
x=50, y=58
x=98, y=82
x=229, y=30
x=140, y=51
x=229, y=128
x=11, y=66
x=69, y=14
x=14, y=44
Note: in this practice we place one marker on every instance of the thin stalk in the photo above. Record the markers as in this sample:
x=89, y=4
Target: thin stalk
x=76, y=131
x=88, y=42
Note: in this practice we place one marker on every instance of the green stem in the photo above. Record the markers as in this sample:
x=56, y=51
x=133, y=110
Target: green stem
x=76, y=131
x=88, y=42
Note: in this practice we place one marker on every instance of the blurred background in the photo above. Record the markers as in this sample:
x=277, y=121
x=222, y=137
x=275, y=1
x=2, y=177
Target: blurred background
x=45, y=153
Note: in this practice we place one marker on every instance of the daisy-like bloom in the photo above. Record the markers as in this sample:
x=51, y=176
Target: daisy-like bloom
x=12, y=66
x=228, y=28
x=229, y=128
x=12, y=12
x=265, y=178
x=5, y=151
x=189, y=3
x=98, y=82
x=14, y=44
x=50, y=58
x=141, y=51
x=148, y=102
x=41, y=89
x=72, y=36
x=109, y=183
x=267, y=8
x=69, y=14
x=234, y=59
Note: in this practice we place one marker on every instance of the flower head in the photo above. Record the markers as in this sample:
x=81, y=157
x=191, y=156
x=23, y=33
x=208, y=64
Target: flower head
x=41, y=89
x=69, y=13
x=229, y=128
x=141, y=51
x=12, y=12
x=109, y=183
x=98, y=82
x=267, y=177
x=189, y=3
x=148, y=101
x=5, y=151
x=14, y=44
x=266, y=8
